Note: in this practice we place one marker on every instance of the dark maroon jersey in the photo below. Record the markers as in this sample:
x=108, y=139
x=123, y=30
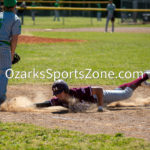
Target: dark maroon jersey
x=83, y=94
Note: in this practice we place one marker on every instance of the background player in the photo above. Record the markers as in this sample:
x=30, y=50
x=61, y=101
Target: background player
x=91, y=94
x=110, y=15
x=56, y=12
x=10, y=28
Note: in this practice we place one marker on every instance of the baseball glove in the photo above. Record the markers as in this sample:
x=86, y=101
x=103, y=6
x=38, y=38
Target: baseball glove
x=16, y=58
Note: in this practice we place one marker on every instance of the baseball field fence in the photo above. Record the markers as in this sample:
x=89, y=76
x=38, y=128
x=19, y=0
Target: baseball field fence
x=124, y=15
x=85, y=9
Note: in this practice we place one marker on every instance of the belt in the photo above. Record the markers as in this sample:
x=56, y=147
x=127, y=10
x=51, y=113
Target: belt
x=6, y=42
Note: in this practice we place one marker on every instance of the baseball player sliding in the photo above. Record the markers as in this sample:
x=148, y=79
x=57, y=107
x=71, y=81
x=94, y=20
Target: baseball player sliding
x=91, y=94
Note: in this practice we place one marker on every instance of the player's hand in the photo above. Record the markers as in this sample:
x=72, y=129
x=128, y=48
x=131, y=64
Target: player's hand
x=100, y=109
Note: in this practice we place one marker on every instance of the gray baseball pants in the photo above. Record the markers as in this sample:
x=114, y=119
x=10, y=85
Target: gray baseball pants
x=5, y=63
x=110, y=96
x=107, y=22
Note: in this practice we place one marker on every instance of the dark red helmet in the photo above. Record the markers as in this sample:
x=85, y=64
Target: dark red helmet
x=59, y=86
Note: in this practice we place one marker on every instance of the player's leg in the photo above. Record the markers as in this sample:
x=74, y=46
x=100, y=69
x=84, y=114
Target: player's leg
x=112, y=26
x=32, y=15
x=124, y=91
x=106, y=26
x=57, y=15
x=5, y=63
x=55, y=11
x=110, y=96
x=3, y=86
x=134, y=84
x=98, y=16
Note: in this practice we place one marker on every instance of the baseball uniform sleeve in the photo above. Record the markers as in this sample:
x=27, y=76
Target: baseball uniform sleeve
x=16, y=29
x=84, y=93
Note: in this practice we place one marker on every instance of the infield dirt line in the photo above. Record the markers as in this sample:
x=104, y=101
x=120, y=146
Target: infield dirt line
x=117, y=29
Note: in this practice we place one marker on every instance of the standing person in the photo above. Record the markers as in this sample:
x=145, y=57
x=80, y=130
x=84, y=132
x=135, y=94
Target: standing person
x=110, y=15
x=10, y=28
x=33, y=12
x=56, y=12
x=99, y=14
x=21, y=11
x=91, y=94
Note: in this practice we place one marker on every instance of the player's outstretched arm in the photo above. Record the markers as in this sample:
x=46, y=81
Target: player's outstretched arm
x=44, y=104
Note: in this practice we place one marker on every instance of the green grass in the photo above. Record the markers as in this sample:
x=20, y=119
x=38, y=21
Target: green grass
x=101, y=52
x=72, y=22
x=16, y=136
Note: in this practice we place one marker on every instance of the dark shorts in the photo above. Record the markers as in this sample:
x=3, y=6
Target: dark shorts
x=113, y=19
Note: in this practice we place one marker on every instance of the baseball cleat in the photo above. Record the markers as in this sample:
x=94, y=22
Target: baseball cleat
x=148, y=73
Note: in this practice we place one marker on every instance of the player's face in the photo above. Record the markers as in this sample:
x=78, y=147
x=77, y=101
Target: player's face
x=61, y=96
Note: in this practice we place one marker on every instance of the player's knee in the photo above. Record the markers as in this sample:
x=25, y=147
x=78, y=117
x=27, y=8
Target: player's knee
x=128, y=93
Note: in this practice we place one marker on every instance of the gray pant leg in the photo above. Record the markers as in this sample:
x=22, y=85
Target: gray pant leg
x=5, y=63
x=33, y=15
x=106, y=26
x=99, y=16
x=110, y=96
x=3, y=86
x=113, y=26
x=56, y=15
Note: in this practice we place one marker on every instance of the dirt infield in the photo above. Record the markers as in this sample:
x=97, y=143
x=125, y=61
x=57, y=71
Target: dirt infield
x=132, y=121
x=34, y=39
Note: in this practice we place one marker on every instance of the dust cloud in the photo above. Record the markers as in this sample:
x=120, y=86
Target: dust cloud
x=18, y=104
x=138, y=102
x=25, y=104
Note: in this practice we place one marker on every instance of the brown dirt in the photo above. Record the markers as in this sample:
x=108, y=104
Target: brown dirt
x=132, y=121
x=34, y=39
